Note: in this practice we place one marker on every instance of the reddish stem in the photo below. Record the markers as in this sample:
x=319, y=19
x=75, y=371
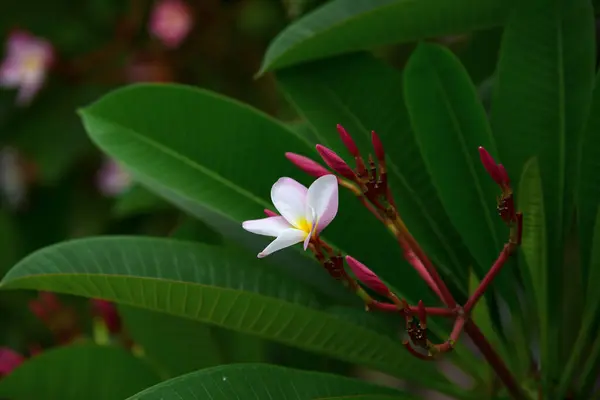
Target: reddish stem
x=412, y=310
x=415, y=353
x=494, y=360
x=444, y=292
x=487, y=280
x=416, y=263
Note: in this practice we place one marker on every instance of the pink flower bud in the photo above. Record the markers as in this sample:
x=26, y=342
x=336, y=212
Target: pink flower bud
x=348, y=142
x=307, y=165
x=112, y=179
x=9, y=360
x=270, y=213
x=366, y=276
x=335, y=162
x=171, y=21
x=503, y=175
x=490, y=165
x=378, y=146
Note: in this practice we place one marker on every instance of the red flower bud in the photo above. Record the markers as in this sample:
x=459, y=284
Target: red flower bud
x=348, y=142
x=335, y=162
x=503, y=175
x=270, y=213
x=9, y=360
x=490, y=165
x=366, y=276
x=422, y=314
x=307, y=165
x=378, y=146
x=109, y=314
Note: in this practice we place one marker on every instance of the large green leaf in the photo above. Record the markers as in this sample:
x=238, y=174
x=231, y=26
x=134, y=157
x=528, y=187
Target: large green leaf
x=82, y=371
x=328, y=92
x=342, y=26
x=260, y=381
x=218, y=285
x=541, y=99
x=588, y=190
x=218, y=165
x=534, y=248
x=174, y=345
x=580, y=353
x=449, y=125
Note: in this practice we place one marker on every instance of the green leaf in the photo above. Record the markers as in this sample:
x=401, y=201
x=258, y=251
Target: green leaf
x=449, y=125
x=542, y=94
x=82, y=371
x=138, y=200
x=534, y=249
x=343, y=26
x=327, y=93
x=259, y=381
x=588, y=188
x=175, y=345
x=217, y=285
x=211, y=165
x=580, y=354
x=196, y=231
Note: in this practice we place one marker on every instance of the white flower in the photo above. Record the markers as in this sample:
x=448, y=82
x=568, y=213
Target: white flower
x=304, y=212
x=25, y=65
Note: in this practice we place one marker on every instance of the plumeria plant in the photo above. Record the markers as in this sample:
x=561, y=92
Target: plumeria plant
x=459, y=258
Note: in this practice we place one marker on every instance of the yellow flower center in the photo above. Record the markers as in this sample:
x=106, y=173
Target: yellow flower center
x=304, y=225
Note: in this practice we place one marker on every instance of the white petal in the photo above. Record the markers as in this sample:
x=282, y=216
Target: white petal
x=271, y=226
x=287, y=238
x=323, y=198
x=313, y=227
x=289, y=197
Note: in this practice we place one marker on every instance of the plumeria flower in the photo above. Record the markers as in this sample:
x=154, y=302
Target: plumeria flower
x=25, y=65
x=304, y=212
x=171, y=21
x=112, y=179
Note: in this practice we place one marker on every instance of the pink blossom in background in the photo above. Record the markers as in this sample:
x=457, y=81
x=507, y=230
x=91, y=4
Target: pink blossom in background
x=171, y=21
x=112, y=180
x=25, y=65
x=9, y=360
x=60, y=319
x=109, y=314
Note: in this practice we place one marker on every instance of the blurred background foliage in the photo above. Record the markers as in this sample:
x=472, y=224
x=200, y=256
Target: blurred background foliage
x=55, y=185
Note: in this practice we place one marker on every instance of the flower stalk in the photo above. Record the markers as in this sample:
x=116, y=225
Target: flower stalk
x=302, y=213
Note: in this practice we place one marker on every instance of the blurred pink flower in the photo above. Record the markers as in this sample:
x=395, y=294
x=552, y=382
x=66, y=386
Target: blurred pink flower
x=9, y=360
x=25, y=64
x=171, y=21
x=60, y=319
x=112, y=180
x=109, y=314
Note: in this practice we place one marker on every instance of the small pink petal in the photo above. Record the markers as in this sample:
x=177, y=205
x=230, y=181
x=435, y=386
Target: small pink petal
x=307, y=165
x=28, y=90
x=366, y=276
x=322, y=200
x=348, y=142
x=287, y=238
x=335, y=162
x=9, y=360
